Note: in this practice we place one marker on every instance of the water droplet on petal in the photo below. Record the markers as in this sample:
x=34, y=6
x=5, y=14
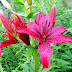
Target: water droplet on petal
x=18, y=27
x=64, y=39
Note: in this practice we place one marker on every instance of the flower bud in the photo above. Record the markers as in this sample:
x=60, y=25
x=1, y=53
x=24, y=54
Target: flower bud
x=26, y=4
x=0, y=22
x=6, y=4
x=29, y=2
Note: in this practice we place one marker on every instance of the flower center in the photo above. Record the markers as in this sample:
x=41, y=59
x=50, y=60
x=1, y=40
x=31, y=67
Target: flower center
x=43, y=37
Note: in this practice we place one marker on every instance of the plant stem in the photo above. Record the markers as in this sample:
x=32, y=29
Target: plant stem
x=35, y=59
x=1, y=70
x=20, y=41
x=26, y=13
x=30, y=9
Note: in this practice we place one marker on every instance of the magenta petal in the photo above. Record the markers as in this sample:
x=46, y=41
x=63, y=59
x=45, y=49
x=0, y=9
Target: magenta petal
x=12, y=38
x=0, y=51
x=45, y=53
x=45, y=24
x=17, y=21
x=34, y=27
x=7, y=42
x=53, y=14
x=29, y=32
x=7, y=24
x=59, y=39
x=57, y=30
x=39, y=15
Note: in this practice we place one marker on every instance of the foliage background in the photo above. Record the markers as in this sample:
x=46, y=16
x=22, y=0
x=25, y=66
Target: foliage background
x=18, y=58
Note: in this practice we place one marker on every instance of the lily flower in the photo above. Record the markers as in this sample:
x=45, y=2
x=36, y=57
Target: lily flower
x=44, y=31
x=18, y=23
x=10, y=31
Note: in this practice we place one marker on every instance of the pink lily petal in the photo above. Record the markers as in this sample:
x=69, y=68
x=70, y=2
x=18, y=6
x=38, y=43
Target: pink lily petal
x=39, y=15
x=0, y=51
x=7, y=42
x=6, y=22
x=45, y=53
x=60, y=38
x=18, y=21
x=34, y=27
x=12, y=38
x=45, y=24
x=57, y=30
x=29, y=32
x=53, y=14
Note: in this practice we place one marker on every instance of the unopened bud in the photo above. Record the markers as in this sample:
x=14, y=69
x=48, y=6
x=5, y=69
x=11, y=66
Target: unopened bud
x=26, y=4
x=29, y=2
x=6, y=4
x=0, y=22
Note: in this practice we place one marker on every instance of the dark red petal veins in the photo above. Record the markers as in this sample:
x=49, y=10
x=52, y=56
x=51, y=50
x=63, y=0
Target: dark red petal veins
x=45, y=53
x=60, y=38
x=53, y=14
x=45, y=24
x=38, y=17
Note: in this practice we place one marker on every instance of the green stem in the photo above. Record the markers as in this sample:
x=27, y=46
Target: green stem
x=26, y=13
x=25, y=10
x=22, y=43
x=35, y=59
x=30, y=9
x=18, y=39
x=1, y=69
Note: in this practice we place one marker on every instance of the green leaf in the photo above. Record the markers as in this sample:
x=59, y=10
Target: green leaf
x=18, y=2
x=30, y=15
x=70, y=29
x=29, y=52
x=22, y=1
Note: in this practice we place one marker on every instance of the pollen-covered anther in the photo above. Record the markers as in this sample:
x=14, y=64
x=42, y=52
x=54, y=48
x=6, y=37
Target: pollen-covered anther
x=43, y=37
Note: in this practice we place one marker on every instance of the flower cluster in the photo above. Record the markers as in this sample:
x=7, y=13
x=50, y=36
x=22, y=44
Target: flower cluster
x=42, y=30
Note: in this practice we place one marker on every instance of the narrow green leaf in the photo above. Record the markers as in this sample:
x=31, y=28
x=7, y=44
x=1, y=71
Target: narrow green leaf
x=30, y=15
x=18, y=2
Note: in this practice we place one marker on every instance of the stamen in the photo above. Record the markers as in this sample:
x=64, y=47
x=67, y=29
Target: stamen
x=49, y=24
x=43, y=37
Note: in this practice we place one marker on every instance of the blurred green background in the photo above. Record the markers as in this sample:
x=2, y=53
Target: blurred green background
x=18, y=58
